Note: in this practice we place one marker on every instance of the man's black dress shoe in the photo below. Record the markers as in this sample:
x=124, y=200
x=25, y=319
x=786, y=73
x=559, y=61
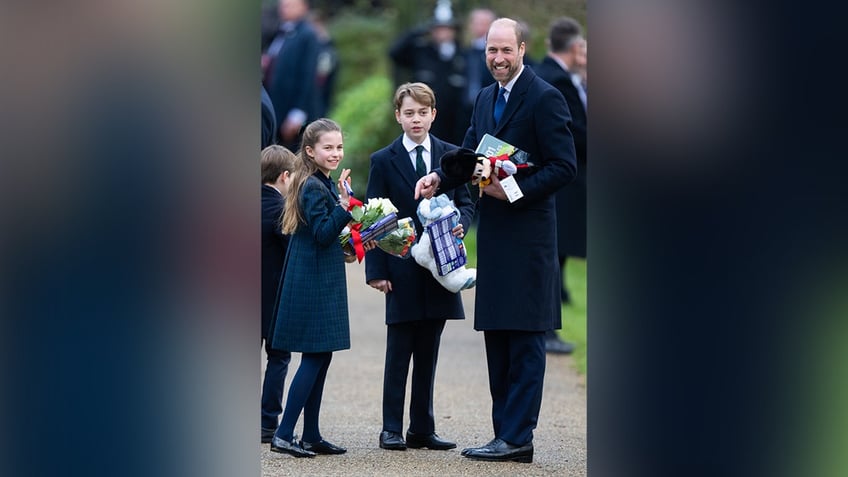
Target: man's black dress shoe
x=558, y=346
x=469, y=449
x=432, y=441
x=290, y=448
x=322, y=447
x=392, y=441
x=267, y=435
x=502, y=451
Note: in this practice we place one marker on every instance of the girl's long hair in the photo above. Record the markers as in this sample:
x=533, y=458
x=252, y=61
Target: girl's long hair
x=305, y=166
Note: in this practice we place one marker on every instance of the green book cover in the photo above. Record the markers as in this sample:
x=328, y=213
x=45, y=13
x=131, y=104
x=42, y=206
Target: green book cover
x=491, y=146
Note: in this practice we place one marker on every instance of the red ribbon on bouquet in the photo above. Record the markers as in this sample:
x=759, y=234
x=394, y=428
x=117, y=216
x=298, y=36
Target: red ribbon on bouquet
x=354, y=231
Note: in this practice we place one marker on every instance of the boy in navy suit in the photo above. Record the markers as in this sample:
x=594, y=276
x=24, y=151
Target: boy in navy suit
x=416, y=305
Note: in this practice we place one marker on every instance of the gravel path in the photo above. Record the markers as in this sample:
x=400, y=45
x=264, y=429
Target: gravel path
x=350, y=412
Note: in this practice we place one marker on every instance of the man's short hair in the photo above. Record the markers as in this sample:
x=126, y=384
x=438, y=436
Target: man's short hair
x=564, y=33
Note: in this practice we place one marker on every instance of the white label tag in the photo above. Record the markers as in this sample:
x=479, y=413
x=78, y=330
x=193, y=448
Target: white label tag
x=513, y=192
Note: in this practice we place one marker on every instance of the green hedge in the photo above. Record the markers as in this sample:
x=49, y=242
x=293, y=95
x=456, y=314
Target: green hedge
x=366, y=115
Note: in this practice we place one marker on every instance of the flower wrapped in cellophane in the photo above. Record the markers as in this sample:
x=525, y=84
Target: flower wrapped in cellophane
x=371, y=221
x=399, y=242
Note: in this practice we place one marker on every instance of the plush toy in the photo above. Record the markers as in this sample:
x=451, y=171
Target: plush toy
x=466, y=164
x=429, y=210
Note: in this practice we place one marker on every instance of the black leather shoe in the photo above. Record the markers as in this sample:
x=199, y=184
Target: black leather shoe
x=267, y=435
x=322, y=447
x=502, y=451
x=290, y=448
x=469, y=449
x=392, y=441
x=432, y=441
x=558, y=346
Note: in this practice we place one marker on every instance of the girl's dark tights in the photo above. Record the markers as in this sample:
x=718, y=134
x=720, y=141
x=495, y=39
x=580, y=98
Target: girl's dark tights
x=305, y=393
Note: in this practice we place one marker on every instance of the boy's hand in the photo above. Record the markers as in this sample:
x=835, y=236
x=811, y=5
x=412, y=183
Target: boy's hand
x=458, y=232
x=384, y=286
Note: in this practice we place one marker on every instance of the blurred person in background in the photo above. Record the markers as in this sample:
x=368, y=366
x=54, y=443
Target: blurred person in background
x=560, y=67
x=432, y=55
x=582, y=64
x=477, y=76
x=269, y=120
x=327, y=66
x=289, y=66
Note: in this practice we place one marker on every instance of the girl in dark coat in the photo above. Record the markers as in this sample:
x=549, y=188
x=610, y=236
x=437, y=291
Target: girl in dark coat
x=312, y=315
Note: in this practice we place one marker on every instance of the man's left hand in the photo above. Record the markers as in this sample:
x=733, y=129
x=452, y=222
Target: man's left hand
x=494, y=189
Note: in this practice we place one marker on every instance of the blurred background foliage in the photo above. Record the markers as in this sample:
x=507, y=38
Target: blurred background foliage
x=363, y=30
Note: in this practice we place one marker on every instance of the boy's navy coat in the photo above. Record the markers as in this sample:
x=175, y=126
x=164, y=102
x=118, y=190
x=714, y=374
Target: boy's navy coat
x=518, y=285
x=274, y=245
x=312, y=314
x=416, y=294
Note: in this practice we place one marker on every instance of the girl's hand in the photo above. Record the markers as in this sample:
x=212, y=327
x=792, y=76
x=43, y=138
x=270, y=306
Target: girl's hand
x=344, y=188
x=369, y=245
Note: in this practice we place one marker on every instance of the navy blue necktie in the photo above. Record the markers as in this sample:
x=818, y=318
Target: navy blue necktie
x=500, y=104
x=420, y=167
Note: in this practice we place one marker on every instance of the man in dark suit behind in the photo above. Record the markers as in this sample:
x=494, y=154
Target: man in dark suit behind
x=289, y=65
x=433, y=56
x=535, y=119
x=559, y=68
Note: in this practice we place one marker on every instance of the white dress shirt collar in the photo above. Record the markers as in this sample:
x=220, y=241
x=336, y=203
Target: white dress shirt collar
x=426, y=154
x=511, y=83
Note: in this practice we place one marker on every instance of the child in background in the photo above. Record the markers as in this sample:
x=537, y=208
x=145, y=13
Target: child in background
x=276, y=164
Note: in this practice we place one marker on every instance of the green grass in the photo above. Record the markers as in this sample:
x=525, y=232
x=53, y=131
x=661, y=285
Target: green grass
x=573, y=315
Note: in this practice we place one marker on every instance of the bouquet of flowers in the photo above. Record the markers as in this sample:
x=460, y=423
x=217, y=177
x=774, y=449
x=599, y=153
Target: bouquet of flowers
x=398, y=243
x=371, y=221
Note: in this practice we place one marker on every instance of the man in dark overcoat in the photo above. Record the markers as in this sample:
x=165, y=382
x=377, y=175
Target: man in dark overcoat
x=559, y=68
x=290, y=65
x=517, y=297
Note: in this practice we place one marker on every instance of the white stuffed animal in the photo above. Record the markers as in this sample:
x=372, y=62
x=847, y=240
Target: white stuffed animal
x=430, y=210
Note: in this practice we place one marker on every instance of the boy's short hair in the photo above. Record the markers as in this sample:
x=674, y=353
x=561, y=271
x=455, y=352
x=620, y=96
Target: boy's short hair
x=275, y=160
x=419, y=92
